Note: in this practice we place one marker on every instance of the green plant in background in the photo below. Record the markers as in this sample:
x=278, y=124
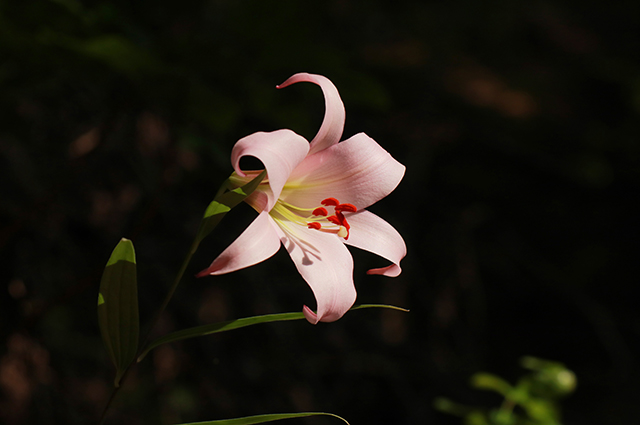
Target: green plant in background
x=534, y=400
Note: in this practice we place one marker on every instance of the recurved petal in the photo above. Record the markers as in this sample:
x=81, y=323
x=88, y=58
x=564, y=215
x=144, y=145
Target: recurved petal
x=333, y=123
x=373, y=234
x=357, y=171
x=280, y=151
x=327, y=266
x=258, y=242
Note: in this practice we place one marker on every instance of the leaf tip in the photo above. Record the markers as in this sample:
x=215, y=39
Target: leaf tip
x=124, y=251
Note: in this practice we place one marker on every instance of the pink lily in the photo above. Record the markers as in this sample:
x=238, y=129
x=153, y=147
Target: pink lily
x=312, y=202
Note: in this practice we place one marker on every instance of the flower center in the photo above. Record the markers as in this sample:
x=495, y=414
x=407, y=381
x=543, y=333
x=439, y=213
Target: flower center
x=319, y=219
x=338, y=219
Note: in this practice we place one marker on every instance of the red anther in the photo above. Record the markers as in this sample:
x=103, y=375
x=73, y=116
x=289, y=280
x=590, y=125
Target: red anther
x=335, y=220
x=320, y=211
x=332, y=202
x=340, y=220
x=346, y=207
x=343, y=221
x=314, y=225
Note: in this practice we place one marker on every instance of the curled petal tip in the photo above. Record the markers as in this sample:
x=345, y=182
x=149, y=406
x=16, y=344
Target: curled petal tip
x=384, y=241
x=279, y=151
x=296, y=78
x=333, y=123
x=310, y=315
x=203, y=273
x=392, y=271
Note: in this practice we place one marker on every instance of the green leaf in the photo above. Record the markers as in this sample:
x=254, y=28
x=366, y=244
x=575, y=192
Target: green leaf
x=260, y=419
x=238, y=323
x=487, y=381
x=118, y=308
x=223, y=203
x=541, y=411
x=549, y=379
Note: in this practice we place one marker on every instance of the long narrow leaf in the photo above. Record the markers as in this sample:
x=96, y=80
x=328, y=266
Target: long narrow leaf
x=260, y=419
x=118, y=307
x=223, y=203
x=239, y=323
x=488, y=381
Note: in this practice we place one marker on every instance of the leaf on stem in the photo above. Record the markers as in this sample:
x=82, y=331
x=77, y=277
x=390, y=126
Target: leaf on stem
x=223, y=203
x=260, y=419
x=488, y=381
x=239, y=323
x=118, y=307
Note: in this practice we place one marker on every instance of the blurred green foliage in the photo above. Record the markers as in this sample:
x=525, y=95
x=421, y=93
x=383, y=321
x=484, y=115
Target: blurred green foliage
x=536, y=395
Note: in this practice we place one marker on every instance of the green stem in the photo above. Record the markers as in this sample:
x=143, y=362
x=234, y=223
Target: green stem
x=183, y=268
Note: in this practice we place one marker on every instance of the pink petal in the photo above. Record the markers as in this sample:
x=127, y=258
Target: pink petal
x=333, y=123
x=258, y=242
x=357, y=171
x=373, y=234
x=280, y=151
x=327, y=266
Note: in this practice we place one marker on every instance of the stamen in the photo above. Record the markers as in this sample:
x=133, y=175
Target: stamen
x=346, y=207
x=286, y=213
x=335, y=220
x=320, y=211
x=343, y=220
x=293, y=207
x=330, y=202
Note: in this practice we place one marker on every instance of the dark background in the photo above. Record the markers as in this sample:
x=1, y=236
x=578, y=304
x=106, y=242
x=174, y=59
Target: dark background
x=518, y=125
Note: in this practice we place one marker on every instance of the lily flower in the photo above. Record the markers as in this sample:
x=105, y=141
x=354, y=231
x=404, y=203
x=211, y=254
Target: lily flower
x=313, y=202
